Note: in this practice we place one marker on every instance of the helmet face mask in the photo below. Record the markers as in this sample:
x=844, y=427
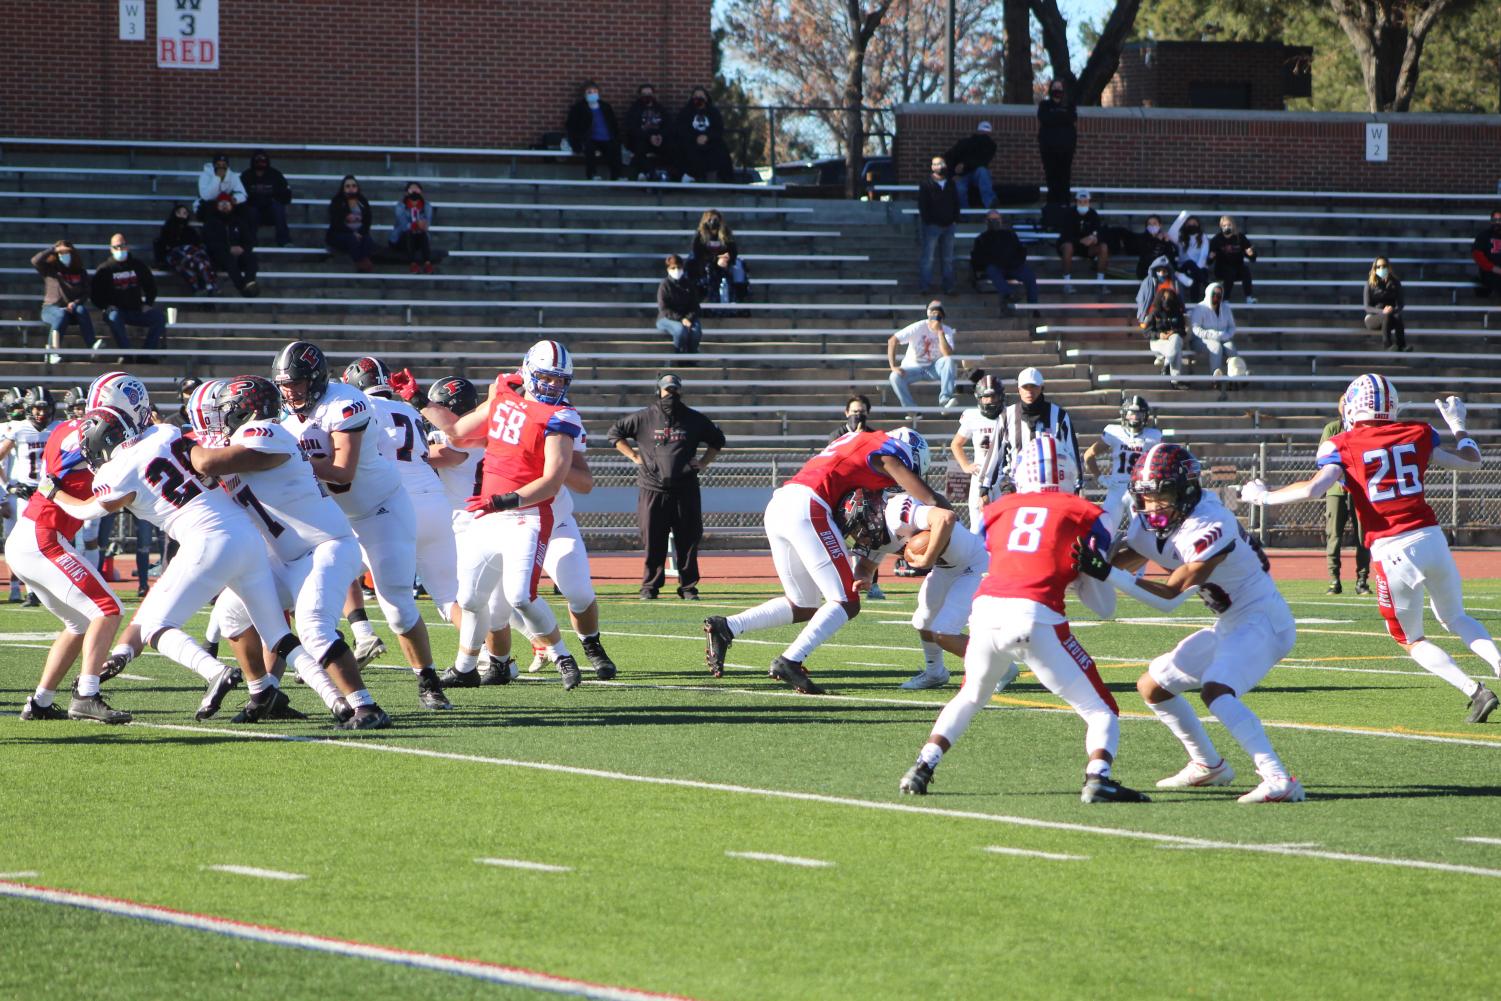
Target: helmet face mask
x=861, y=517
x=990, y=397
x=1136, y=414
x=547, y=372
x=203, y=412
x=301, y=375
x=1165, y=487
x=102, y=432
x=246, y=398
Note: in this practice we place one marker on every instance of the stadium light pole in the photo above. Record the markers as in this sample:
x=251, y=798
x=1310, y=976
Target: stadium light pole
x=948, y=51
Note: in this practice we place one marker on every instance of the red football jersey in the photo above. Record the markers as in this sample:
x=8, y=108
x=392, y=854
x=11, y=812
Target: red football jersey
x=1031, y=541
x=63, y=449
x=849, y=463
x=1385, y=467
x=518, y=428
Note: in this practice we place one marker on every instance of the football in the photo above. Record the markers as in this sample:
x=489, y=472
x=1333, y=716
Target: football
x=916, y=546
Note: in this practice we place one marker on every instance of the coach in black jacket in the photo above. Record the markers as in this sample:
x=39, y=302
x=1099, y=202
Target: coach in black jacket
x=667, y=436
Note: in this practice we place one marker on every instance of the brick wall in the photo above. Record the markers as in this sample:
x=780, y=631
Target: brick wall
x=1164, y=148
x=1164, y=74
x=492, y=72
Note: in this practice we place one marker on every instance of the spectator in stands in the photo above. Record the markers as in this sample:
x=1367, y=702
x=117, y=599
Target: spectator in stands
x=409, y=236
x=65, y=292
x=1486, y=250
x=268, y=195
x=999, y=255
x=230, y=238
x=1167, y=330
x=125, y=290
x=215, y=180
x=1211, y=325
x=1057, y=135
x=929, y=357
x=678, y=308
x=179, y=246
x=938, y=212
x=1339, y=513
x=349, y=224
x=1152, y=243
x=1383, y=305
x=1081, y=231
x=969, y=162
x=668, y=435
x=1159, y=276
x=1230, y=255
x=646, y=135
x=594, y=132
x=700, y=133
x=1193, y=250
x=715, y=263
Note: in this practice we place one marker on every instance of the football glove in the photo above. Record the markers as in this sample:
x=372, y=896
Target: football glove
x=21, y=490
x=404, y=384
x=494, y=502
x=1089, y=561
x=1253, y=492
x=1452, y=410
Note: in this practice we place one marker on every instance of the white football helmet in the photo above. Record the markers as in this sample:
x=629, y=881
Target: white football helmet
x=124, y=392
x=918, y=446
x=204, y=413
x=1369, y=398
x=551, y=359
x=1044, y=466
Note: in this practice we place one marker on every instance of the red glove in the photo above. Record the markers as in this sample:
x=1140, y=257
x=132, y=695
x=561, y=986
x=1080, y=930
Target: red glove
x=404, y=384
x=484, y=505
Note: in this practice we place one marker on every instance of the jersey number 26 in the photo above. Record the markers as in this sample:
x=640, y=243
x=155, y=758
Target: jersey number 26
x=1408, y=479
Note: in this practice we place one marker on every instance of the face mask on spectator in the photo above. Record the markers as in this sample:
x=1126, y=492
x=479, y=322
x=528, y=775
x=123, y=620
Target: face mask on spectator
x=1227, y=230
x=592, y=99
x=675, y=274
x=64, y=258
x=119, y=253
x=1496, y=225
x=699, y=102
x=855, y=421
x=1057, y=96
x=1383, y=272
x=1192, y=229
x=940, y=171
x=1083, y=209
x=1153, y=228
x=992, y=224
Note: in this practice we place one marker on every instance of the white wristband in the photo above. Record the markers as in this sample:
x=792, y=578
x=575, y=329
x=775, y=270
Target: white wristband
x=1466, y=442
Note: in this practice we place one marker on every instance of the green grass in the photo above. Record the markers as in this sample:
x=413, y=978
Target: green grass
x=912, y=905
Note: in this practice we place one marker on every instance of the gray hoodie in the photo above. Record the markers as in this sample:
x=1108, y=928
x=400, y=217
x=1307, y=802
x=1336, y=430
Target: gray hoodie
x=1148, y=290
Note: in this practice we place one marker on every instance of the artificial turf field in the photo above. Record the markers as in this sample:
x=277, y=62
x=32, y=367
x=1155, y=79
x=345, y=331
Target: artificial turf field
x=1386, y=882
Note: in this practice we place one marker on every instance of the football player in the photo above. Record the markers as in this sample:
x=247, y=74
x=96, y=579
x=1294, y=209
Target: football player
x=807, y=546
x=330, y=420
x=980, y=427
x=1383, y=463
x=1191, y=535
x=40, y=552
x=25, y=440
x=1121, y=446
x=1019, y=614
x=530, y=444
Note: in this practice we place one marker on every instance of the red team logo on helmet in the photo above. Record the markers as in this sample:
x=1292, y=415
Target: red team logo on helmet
x=1169, y=469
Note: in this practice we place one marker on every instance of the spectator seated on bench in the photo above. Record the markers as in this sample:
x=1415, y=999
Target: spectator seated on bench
x=1211, y=325
x=65, y=291
x=715, y=263
x=215, y=180
x=678, y=308
x=1383, y=305
x=349, y=224
x=700, y=135
x=1230, y=255
x=1486, y=252
x=647, y=136
x=929, y=358
x=1152, y=243
x=969, y=164
x=1167, y=330
x=179, y=247
x=230, y=238
x=268, y=195
x=125, y=290
x=1193, y=250
x=1081, y=231
x=1159, y=276
x=999, y=255
x=594, y=132
x=409, y=236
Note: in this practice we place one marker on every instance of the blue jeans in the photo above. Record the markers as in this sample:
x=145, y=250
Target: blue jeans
x=941, y=237
x=358, y=246
x=58, y=318
x=1000, y=276
x=152, y=318
x=270, y=212
x=684, y=339
x=980, y=176
x=944, y=371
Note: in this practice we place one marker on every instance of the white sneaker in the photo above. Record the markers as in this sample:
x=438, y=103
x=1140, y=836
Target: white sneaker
x=535, y=667
x=948, y=402
x=1197, y=776
x=366, y=650
x=1012, y=673
x=1251, y=300
x=927, y=680
x=1284, y=789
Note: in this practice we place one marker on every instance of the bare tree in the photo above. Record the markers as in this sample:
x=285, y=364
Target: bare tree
x=1018, y=59
x=1086, y=87
x=1388, y=37
x=863, y=24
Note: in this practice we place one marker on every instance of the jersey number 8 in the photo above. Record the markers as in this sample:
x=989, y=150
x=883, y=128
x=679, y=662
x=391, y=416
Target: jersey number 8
x=1026, y=529
x=1408, y=480
x=508, y=424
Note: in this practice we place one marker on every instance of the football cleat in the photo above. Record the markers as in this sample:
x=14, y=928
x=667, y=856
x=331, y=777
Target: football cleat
x=538, y=662
x=1283, y=789
x=927, y=680
x=1012, y=673
x=1362, y=587
x=604, y=667
x=499, y=671
x=874, y=593
x=341, y=711
x=430, y=690
x=367, y=649
x=371, y=717
x=790, y=672
x=454, y=678
x=266, y=706
x=32, y=601
x=1335, y=588
x=1103, y=789
x=917, y=779
x=1481, y=705
x=568, y=669
x=32, y=711
x=213, y=698
x=113, y=665
x=93, y=707
x=717, y=628
x=1196, y=776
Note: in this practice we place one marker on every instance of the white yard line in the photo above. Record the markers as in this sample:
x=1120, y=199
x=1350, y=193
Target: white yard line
x=1482, y=841
x=1286, y=844
x=806, y=863
x=250, y=870
x=1024, y=853
x=516, y=863
x=134, y=677
x=842, y=801
x=25, y=874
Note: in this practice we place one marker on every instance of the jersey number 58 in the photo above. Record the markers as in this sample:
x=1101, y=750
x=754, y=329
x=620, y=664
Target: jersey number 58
x=508, y=423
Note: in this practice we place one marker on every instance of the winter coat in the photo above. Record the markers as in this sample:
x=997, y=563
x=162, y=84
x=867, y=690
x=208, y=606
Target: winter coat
x=1057, y=131
x=211, y=186
x=938, y=206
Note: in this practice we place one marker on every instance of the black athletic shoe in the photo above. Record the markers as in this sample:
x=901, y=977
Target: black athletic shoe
x=213, y=698
x=113, y=665
x=93, y=707
x=790, y=672
x=604, y=667
x=32, y=601
x=269, y=705
x=568, y=669
x=1334, y=587
x=32, y=711
x=454, y=678
x=371, y=717
x=212, y=648
x=1099, y=789
x=915, y=782
x=1362, y=587
x=430, y=690
x=1481, y=705
x=717, y=629
x=498, y=671
x=341, y=711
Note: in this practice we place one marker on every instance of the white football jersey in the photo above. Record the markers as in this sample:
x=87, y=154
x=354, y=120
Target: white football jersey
x=981, y=432
x=345, y=408
x=286, y=502
x=168, y=493
x=562, y=504
x=405, y=444
x=906, y=516
x=1125, y=449
x=460, y=482
x=1241, y=582
x=26, y=452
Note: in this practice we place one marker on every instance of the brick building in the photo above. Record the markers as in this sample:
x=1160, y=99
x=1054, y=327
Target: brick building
x=455, y=72
x=1241, y=75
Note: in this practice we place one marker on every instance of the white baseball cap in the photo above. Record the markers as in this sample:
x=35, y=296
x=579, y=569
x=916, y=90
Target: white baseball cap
x=1029, y=377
